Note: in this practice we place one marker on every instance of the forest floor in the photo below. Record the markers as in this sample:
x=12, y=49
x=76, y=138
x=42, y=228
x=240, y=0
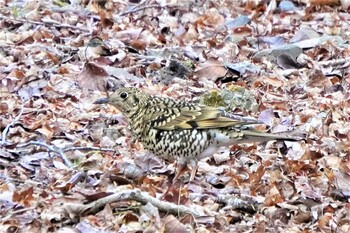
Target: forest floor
x=69, y=165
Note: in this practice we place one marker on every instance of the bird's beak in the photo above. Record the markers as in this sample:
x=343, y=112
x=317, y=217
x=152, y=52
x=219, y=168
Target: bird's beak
x=102, y=101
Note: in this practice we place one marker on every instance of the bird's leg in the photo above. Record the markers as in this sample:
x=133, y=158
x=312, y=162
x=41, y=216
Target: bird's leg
x=180, y=169
x=194, y=167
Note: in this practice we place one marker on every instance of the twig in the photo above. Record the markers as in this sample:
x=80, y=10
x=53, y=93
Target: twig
x=80, y=11
x=60, y=151
x=288, y=72
x=54, y=149
x=6, y=130
x=147, y=7
x=88, y=148
x=137, y=6
x=12, y=214
x=142, y=8
x=335, y=62
x=144, y=198
x=47, y=24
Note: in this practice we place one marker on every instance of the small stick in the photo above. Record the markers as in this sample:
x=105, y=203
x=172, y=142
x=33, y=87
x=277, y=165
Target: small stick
x=144, y=198
x=54, y=149
x=47, y=24
x=6, y=130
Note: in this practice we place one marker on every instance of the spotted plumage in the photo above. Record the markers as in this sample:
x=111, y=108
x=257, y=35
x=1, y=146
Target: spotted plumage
x=180, y=130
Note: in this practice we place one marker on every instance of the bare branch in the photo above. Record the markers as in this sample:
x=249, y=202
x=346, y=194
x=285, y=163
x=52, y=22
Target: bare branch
x=335, y=62
x=144, y=198
x=60, y=151
x=47, y=24
x=6, y=130
x=88, y=148
x=135, y=9
x=50, y=148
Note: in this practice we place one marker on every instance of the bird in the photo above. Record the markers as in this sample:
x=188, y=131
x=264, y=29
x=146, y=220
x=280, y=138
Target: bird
x=182, y=131
x=97, y=47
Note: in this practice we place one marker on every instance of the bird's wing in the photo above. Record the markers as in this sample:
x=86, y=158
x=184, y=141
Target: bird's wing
x=192, y=116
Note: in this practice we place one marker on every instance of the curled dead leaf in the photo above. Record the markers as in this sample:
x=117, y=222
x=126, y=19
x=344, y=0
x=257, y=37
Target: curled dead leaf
x=212, y=18
x=93, y=77
x=172, y=224
x=211, y=70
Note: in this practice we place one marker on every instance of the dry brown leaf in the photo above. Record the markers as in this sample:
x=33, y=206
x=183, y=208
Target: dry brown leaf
x=172, y=224
x=212, y=18
x=93, y=77
x=24, y=197
x=46, y=130
x=190, y=33
x=325, y=2
x=211, y=70
x=273, y=196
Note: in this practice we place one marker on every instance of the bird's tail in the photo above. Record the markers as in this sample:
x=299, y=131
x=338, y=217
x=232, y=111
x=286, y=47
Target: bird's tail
x=258, y=136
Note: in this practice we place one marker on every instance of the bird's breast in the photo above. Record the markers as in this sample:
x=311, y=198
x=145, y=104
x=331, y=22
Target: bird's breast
x=172, y=144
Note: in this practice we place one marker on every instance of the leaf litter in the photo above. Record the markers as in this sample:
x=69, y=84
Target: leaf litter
x=61, y=155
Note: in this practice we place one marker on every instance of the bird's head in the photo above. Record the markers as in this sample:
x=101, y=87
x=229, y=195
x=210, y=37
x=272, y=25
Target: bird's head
x=128, y=100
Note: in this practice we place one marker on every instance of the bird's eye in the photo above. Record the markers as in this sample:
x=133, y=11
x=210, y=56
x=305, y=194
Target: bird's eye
x=124, y=95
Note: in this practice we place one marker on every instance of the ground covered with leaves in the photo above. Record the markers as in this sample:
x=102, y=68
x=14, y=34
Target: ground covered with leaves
x=68, y=165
